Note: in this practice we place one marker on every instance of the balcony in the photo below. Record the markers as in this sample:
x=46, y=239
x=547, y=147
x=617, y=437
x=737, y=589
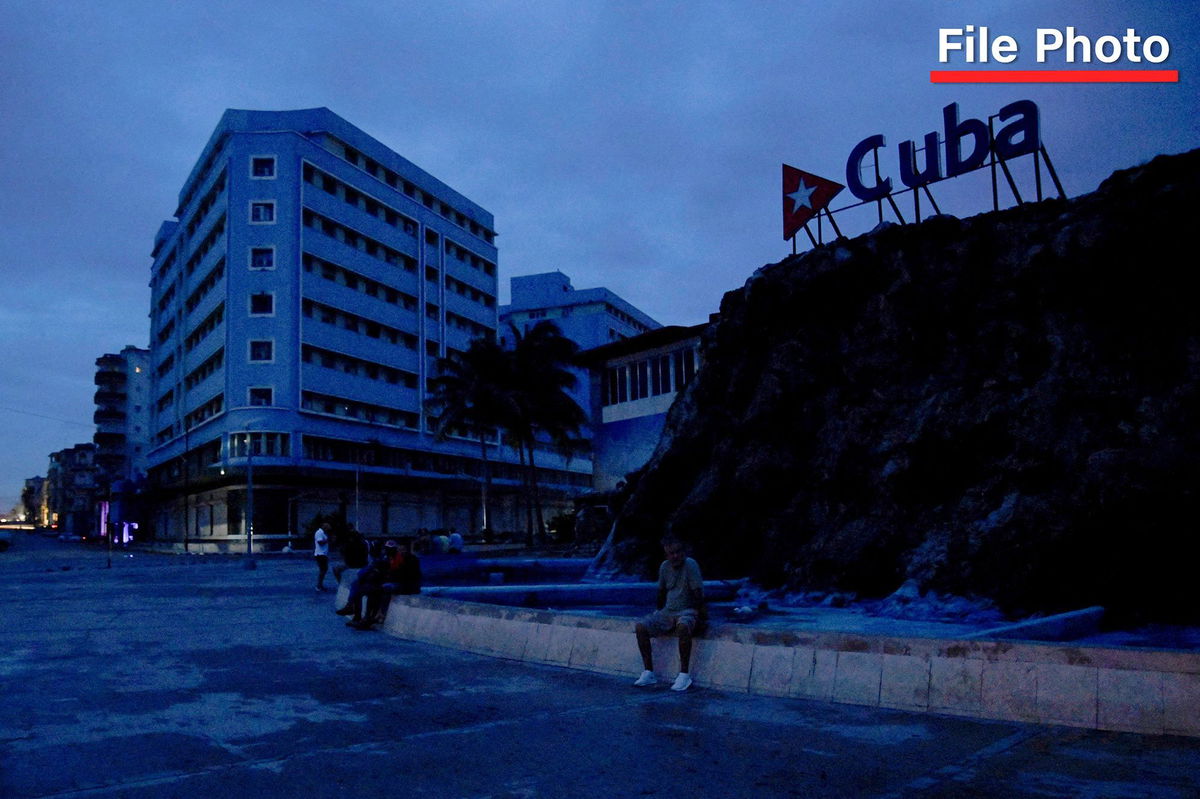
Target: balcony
x=105, y=415
x=109, y=441
x=111, y=379
x=107, y=397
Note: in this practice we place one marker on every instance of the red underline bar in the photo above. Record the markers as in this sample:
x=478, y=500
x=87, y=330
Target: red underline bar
x=1054, y=76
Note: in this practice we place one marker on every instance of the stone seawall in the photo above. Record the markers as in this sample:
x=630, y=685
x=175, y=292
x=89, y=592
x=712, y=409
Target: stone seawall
x=1127, y=690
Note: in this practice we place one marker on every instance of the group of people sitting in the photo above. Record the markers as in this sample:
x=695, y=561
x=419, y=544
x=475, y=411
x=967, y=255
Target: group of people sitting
x=438, y=542
x=393, y=569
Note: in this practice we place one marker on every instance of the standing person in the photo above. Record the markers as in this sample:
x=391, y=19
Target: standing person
x=680, y=608
x=321, y=554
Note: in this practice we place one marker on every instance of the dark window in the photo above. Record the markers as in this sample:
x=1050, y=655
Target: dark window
x=664, y=368
x=262, y=351
x=262, y=304
x=262, y=212
x=262, y=257
x=263, y=167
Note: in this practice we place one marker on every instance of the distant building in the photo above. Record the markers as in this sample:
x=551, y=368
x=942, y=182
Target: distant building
x=589, y=317
x=69, y=495
x=634, y=382
x=122, y=435
x=122, y=413
x=33, y=499
x=300, y=300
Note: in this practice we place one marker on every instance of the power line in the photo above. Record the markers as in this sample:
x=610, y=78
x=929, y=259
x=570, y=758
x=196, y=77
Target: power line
x=43, y=416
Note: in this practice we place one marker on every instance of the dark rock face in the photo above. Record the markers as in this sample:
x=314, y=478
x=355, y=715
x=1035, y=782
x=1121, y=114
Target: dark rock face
x=1006, y=406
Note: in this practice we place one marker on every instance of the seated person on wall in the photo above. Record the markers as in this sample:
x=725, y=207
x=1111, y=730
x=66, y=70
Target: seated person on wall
x=370, y=578
x=680, y=612
x=403, y=577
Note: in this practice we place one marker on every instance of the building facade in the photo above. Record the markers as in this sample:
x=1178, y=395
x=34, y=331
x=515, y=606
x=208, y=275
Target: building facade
x=122, y=413
x=634, y=383
x=589, y=317
x=300, y=300
x=122, y=435
x=70, y=491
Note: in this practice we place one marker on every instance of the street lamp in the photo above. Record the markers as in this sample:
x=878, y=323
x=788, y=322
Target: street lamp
x=233, y=452
x=249, y=562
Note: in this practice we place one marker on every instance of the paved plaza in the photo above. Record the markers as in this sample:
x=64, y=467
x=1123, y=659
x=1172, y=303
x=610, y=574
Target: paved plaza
x=173, y=676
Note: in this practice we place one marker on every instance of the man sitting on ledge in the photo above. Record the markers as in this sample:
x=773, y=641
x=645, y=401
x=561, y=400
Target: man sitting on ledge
x=370, y=578
x=403, y=577
x=680, y=607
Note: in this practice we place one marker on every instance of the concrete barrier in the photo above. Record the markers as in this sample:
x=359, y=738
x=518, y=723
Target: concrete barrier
x=459, y=566
x=1129, y=690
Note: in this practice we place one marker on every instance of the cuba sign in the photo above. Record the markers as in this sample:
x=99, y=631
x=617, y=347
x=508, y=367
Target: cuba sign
x=967, y=145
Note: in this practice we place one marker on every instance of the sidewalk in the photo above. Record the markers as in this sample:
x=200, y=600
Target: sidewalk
x=155, y=680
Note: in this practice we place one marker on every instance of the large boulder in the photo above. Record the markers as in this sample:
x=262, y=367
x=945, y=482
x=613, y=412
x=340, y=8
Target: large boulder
x=1005, y=406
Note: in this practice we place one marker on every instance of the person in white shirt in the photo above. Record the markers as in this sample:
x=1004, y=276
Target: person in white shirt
x=321, y=553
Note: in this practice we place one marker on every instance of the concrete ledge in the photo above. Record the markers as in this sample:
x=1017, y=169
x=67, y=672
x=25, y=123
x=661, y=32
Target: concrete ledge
x=568, y=594
x=1130, y=690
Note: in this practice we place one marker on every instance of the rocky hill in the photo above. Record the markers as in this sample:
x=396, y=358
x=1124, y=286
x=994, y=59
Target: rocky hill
x=1006, y=406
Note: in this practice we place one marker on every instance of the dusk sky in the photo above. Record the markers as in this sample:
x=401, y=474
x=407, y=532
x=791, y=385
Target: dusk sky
x=635, y=146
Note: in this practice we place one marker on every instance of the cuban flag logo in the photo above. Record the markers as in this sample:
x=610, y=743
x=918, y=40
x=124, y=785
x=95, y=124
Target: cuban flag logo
x=804, y=195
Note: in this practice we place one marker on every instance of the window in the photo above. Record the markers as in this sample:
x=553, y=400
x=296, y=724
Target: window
x=262, y=257
x=261, y=396
x=243, y=444
x=262, y=166
x=662, y=375
x=262, y=351
x=262, y=212
x=685, y=367
x=639, y=379
x=262, y=304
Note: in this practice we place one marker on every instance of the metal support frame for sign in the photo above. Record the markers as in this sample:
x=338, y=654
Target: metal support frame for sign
x=879, y=202
x=1039, y=155
x=819, y=239
x=925, y=186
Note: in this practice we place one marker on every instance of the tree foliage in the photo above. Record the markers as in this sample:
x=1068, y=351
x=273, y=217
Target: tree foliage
x=522, y=392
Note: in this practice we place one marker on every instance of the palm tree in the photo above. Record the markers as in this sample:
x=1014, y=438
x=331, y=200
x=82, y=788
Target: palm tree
x=473, y=393
x=540, y=369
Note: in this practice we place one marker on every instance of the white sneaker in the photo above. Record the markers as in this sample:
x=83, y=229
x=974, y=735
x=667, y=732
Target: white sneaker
x=682, y=682
x=647, y=678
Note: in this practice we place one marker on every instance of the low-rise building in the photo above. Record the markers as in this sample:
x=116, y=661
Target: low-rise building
x=634, y=382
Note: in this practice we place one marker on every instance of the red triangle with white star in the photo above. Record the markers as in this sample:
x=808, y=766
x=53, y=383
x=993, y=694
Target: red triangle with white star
x=804, y=194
